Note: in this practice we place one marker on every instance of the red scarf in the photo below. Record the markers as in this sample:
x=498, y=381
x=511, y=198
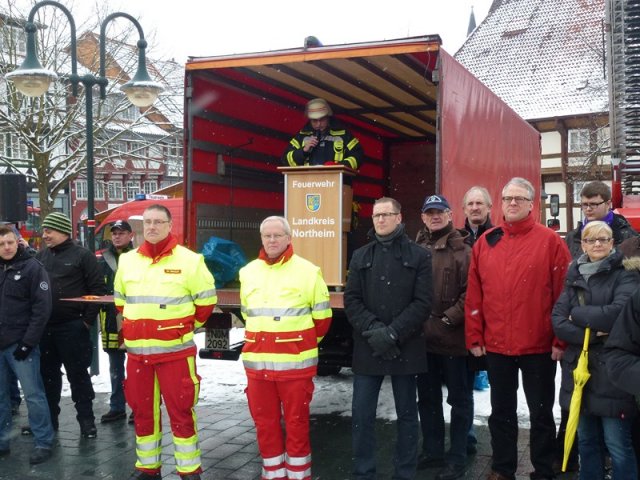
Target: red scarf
x=284, y=256
x=157, y=251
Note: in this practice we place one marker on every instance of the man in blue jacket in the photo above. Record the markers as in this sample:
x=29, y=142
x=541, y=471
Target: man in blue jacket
x=25, y=306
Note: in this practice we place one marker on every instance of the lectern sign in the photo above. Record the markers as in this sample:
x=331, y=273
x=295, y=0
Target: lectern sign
x=315, y=205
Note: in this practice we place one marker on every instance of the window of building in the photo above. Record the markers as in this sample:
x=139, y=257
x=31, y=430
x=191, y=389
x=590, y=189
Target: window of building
x=133, y=187
x=81, y=189
x=174, y=167
x=18, y=149
x=115, y=191
x=13, y=39
x=141, y=164
x=98, y=190
x=579, y=141
x=155, y=151
x=150, y=186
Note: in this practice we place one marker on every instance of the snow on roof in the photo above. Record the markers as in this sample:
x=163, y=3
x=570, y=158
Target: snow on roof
x=544, y=58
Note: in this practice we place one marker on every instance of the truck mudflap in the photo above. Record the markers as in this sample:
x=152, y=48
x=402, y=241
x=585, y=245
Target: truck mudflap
x=218, y=344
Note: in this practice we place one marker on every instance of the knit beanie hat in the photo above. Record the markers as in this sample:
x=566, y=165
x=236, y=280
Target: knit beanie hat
x=58, y=221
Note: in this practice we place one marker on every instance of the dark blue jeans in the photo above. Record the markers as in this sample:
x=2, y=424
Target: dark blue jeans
x=28, y=372
x=538, y=381
x=67, y=344
x=596, y=432
x=366, y=389
x=116, y=372
x=454, y=372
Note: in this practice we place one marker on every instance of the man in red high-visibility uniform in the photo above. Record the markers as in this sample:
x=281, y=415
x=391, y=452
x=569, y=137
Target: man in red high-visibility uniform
x=165, y=291
x=285, y=303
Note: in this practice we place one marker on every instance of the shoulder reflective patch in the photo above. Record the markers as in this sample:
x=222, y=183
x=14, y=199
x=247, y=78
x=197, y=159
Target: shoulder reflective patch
x=44, y=286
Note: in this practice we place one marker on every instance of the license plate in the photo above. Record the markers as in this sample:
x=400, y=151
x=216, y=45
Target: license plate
x=217, y=338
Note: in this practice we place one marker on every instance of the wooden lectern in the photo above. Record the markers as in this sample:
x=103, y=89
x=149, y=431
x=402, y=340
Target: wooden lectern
x=318, y=207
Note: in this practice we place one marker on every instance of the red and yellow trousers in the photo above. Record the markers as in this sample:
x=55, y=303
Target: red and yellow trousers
x=269, y=402
x=176, y=382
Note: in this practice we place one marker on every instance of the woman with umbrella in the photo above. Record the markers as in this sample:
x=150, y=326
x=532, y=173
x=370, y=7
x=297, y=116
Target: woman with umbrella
x=597, y=288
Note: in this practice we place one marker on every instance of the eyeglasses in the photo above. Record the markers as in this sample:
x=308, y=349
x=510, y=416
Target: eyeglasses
x=601, y=240
x=155, y=223
x=385, y=215
x=277, y=236
x=587, y=205
x=518, y=200
x=436, y=213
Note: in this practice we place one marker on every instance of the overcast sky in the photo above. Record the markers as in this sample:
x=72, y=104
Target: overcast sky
x=180, y=28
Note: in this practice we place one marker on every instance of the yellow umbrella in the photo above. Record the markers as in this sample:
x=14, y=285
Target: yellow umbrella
x=580, y=376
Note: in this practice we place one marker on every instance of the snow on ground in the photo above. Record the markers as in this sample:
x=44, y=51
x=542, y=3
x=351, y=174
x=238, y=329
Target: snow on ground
x=225, y=381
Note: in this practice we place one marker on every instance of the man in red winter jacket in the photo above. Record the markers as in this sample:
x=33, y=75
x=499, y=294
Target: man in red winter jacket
x=517, y=272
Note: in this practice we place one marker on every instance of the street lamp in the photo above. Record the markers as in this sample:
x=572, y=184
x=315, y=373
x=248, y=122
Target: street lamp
x=33, y=80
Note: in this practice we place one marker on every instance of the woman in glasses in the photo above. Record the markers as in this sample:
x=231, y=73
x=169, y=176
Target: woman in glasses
x=597, y=287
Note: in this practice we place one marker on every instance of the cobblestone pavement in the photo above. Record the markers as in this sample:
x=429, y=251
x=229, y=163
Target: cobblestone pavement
x=227, y=441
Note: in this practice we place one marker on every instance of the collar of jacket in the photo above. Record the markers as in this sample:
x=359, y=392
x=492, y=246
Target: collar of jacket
x=61, y=247
x=284, y=256
x=159, y=250
x=483, y=227
x=520, y=227
x=454, y=238
x=613, y=261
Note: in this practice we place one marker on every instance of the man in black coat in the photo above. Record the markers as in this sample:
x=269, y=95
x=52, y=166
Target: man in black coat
x=74, y=272
x=387, y=299
x=25, y=305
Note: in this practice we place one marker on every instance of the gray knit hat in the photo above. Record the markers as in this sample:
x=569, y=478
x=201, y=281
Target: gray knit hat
x=58, y=221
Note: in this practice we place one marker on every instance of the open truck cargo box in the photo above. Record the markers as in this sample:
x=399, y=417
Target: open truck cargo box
x=425, y=123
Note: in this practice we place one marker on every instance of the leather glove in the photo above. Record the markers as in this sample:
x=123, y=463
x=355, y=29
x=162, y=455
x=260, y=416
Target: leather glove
x=391, y=354
x=22, y=351
x=381, y=339
x=376, y=324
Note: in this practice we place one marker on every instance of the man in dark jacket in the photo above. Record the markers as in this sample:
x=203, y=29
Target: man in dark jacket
x=476, y=205
x=595, y=200
x=74, y=272
x=387, y=299
x=110, y=319
x=25, y=305
x=446, y=350
x=323, y=140
x=517, y=272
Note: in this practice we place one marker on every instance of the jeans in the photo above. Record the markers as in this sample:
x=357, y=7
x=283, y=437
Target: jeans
x=116, y=372
x=538, y=381
x=28, y=372
x=460, y=396
x=67, y=344
x=594, y=433
x=366, y=389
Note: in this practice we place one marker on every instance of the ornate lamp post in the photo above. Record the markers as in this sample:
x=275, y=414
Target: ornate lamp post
x=33, y=80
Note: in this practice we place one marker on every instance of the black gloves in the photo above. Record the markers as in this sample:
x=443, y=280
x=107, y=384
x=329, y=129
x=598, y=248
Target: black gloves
x=382, y=341
x=22, y=351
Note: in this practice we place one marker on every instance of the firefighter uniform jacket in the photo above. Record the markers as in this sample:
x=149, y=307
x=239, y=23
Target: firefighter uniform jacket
x=287, y=313
x=337, y=147
x=163, y=300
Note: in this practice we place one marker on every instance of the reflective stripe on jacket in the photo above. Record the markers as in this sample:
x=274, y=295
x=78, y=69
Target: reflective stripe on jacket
x=287, y=312
x=160, y=301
